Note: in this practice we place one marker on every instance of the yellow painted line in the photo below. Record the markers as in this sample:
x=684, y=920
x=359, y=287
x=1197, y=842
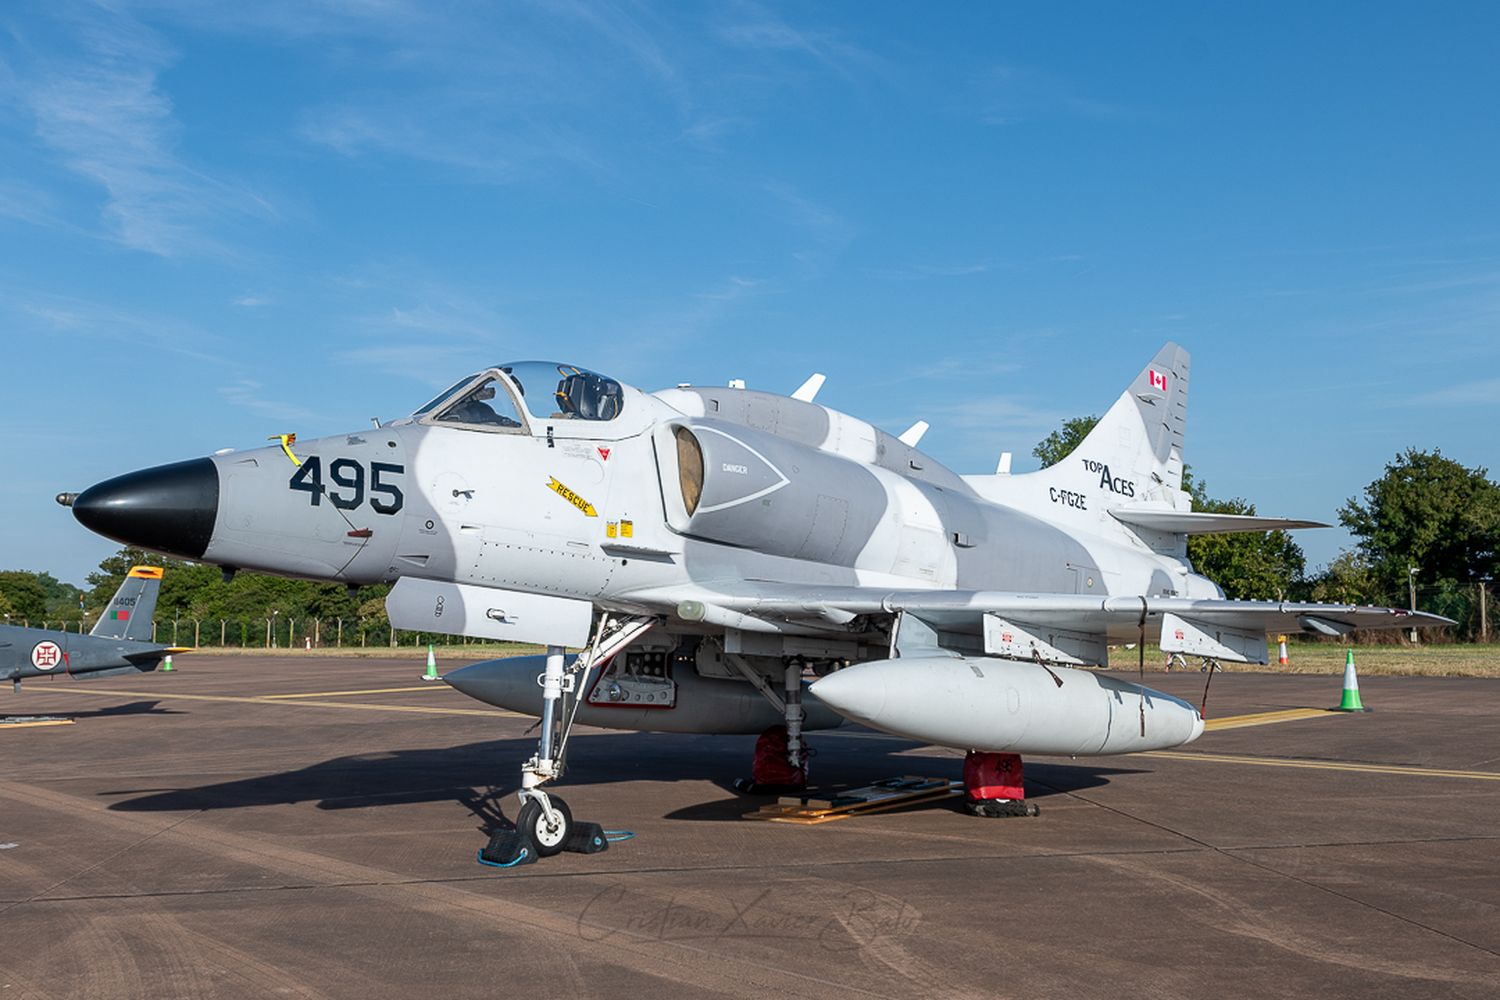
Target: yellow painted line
x=1324, y=765
x=267, y=700
x=28, y=725
x=1266, y=718
x=333, y=694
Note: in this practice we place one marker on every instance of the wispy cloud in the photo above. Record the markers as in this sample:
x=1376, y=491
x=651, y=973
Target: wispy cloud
x=824, y=233
x=80, y=319
x=1481, y=392
x=31, y=204
x=677, y=320
x=497, y=153
x=756, y=28
x=422, y=328
x=249, y=394
x=995, y=413
x=251, y=301
x=1010, y=95
x=917, y=272
x=97, y=105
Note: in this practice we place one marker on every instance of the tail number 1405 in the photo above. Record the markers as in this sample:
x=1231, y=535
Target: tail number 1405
x=348, y=484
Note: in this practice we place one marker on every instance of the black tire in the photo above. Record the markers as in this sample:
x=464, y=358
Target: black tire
x=532, y=821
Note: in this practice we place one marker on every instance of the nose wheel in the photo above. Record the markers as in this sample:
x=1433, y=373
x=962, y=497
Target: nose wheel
x=547, y=824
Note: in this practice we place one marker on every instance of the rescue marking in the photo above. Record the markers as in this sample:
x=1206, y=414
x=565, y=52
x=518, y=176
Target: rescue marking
x=583, y=505
x=1325, y=765
x=1267, y=718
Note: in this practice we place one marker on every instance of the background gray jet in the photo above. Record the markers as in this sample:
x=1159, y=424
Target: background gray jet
x=119, y=643
x=707, y=547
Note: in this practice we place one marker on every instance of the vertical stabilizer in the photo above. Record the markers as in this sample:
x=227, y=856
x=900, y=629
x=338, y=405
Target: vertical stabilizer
x=1132, y=457
x=129, y=613
x=1140, y=438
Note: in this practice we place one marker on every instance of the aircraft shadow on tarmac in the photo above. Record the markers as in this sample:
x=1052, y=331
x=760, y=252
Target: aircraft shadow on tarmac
x=468, y=774
x=129, y=708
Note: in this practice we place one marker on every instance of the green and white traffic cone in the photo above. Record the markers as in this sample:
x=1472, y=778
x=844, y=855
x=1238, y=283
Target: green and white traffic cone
x=166, y=665
x=432, y=673
x=1350, y=702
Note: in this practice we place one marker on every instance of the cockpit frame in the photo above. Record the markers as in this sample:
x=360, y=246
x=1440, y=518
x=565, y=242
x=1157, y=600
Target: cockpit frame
x=438, y=412
x=579, y=399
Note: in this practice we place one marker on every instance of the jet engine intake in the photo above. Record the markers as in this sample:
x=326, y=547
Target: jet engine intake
x=744, y=487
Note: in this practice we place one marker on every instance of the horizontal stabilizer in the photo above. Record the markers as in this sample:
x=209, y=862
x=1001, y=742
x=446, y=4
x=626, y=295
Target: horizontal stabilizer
x=1203, y=523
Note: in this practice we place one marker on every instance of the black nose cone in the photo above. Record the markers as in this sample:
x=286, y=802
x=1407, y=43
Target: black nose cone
x=171, y=508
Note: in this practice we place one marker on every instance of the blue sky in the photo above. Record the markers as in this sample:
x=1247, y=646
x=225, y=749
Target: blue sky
x=223, y=221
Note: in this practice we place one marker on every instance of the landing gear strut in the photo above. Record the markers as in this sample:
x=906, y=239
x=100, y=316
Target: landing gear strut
x=781, y=754
x=545, y=825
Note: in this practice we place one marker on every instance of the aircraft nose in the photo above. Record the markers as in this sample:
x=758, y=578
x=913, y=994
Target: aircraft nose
x=169, y=508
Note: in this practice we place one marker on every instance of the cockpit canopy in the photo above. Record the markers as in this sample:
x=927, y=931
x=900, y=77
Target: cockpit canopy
x=551, y=391
x=546, y=390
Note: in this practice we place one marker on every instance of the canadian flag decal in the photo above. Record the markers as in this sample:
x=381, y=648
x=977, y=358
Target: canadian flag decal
x=1158, y=380
x=604, y=454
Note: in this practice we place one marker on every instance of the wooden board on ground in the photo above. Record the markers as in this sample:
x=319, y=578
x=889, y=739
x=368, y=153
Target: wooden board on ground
x=893, y=793
x=24, y=721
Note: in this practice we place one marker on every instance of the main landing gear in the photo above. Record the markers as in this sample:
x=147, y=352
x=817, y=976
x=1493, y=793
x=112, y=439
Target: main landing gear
x=545, y=825
x=780, y=762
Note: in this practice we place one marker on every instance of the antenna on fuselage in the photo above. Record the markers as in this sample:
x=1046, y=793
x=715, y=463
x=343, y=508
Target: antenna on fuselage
x=1003, y=467
x=809, y=389
x=913, y=434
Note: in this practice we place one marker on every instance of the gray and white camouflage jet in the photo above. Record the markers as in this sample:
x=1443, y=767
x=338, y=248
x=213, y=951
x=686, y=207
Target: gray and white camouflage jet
x=710, y=549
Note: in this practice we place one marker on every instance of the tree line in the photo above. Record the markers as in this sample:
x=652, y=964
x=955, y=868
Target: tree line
x=1426, y=513
x=250, y=609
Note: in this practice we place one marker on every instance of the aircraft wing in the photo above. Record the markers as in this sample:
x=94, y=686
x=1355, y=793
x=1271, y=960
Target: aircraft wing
x=1112, y=619
x=1202, y=523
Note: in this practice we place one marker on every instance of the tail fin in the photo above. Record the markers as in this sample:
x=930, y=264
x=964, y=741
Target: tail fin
x=1133, y=455
x=129, y=613
x=1137, y=444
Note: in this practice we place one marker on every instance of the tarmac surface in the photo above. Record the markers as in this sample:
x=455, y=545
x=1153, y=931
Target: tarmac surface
x=289, y=826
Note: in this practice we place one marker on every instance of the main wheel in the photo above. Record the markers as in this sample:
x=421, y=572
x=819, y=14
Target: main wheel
x=532, y=821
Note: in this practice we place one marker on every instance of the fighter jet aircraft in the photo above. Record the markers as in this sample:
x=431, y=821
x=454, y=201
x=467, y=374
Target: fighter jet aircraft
x=119, y=643
x=710, y=548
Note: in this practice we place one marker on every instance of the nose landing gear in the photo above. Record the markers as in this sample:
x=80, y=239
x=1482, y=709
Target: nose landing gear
x=547, y=820
x=545, y=826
